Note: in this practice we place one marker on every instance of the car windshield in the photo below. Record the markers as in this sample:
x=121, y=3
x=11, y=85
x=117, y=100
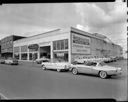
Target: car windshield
x=102, y=64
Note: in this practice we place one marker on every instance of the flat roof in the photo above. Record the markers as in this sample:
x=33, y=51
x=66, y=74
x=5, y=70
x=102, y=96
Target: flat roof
x=39, y=34
x=72, y=29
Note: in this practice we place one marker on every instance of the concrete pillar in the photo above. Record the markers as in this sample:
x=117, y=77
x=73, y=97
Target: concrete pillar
x=39, y=52
x=51, y=49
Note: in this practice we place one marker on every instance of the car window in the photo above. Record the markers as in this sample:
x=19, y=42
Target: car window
x=91, y=64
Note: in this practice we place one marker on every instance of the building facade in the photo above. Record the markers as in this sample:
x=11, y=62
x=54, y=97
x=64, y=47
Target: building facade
x=65, y=45
x=0, y=48
x=7, y=45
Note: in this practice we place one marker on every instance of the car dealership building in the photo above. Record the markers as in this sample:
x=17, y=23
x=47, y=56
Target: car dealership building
x=65, y=45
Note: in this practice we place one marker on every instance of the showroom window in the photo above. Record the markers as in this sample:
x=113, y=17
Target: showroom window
x=24, y=56
x=16, y=56
x=61, y=56
x=66, y=44
x=54, y=45
x=30, y=56
x=24, y=48
x=60, y=44
x=16, y=49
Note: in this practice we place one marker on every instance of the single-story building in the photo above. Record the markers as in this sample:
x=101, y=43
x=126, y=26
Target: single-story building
x=65, y=45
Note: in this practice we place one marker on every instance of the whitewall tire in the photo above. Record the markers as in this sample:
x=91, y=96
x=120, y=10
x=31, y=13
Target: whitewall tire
x=43, y=67
x=74, y=71
x=58, y=70
x=103, y=74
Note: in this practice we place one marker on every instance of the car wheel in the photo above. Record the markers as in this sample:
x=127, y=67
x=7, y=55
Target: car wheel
x=74, y=71
x=43, y=67
x=103, y=74
x=58, y=70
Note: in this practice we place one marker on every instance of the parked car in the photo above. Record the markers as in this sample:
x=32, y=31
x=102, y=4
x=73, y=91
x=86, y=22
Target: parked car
x=96, y=68
x=2, y=60
x=59, y=66
x=40, y=60
x=11, y=61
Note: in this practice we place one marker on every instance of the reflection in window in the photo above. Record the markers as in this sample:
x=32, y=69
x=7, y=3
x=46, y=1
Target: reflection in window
x=24, y=56
x=16, y=56
x=54, y=45
x=24, y=48
x=66, y=44
x=61, y=57
x=30, y=56
x=60, y=44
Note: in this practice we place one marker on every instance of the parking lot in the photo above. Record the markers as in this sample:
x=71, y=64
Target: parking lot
x=28, y=81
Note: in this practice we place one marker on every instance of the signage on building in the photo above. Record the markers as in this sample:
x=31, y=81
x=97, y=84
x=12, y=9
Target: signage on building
x=60, y=54
x=44, y=44
x=33, y=46
x=80, y=44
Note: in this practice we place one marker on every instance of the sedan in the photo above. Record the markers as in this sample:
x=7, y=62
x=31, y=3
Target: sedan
x=11, y=61
x=96, y=68
x=59, y=66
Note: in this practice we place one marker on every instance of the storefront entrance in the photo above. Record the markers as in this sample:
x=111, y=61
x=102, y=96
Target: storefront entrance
x=45, y=52
x=33, y=56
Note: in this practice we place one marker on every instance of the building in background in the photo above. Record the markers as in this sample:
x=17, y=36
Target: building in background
x=125, y=54
x=65, y=45
x=7, y=45
x=0, y=48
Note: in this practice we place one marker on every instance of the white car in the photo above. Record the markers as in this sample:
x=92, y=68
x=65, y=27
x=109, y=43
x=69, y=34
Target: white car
x=59, y=66
x=11, y=61
x=96, y=68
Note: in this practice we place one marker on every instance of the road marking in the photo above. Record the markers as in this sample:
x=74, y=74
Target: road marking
x=2, y=96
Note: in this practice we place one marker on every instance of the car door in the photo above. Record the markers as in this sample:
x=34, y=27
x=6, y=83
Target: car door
x=85, y=69
x=50, y=65
x=47, y=64
x=60, y=65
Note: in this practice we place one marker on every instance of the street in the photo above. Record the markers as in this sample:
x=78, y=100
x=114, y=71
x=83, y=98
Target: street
x=28, y=81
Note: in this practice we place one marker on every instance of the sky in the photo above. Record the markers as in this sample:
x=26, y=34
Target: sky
x=105, y=18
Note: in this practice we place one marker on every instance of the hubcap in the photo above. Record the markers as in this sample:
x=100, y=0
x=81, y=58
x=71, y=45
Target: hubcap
x=58, y=70
x=74, y=71
x=103, y=74
x=43, y=67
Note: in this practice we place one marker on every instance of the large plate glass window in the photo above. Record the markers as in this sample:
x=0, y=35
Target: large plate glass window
x=60, y=44
x=61, y=56
x=66, y=44
x=16, y=55
x=24, y=48
x=24, y=56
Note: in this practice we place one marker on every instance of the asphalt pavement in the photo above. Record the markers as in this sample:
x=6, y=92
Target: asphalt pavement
x=28, y=81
